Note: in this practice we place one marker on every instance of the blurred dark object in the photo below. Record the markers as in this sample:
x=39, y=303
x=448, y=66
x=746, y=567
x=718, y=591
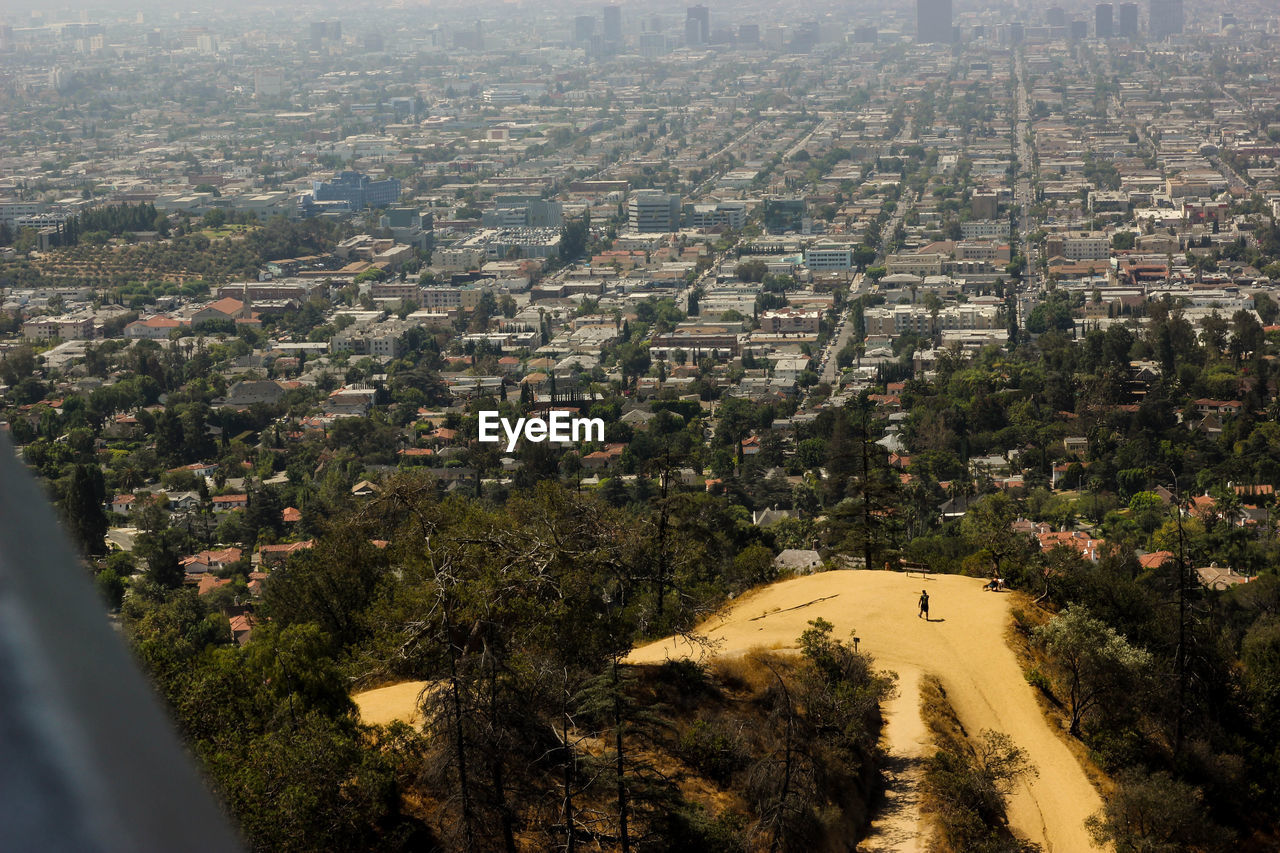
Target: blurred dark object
x=89, y=761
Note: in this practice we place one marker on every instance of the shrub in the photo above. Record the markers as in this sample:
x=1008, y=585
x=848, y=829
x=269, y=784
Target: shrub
x=712, y=749
x=1041, y=682
x=1156, y=814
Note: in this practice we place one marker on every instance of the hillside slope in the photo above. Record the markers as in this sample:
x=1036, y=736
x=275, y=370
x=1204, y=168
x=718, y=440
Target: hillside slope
x=963, y=645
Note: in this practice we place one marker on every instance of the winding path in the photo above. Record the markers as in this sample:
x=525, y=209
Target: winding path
x=964, y=646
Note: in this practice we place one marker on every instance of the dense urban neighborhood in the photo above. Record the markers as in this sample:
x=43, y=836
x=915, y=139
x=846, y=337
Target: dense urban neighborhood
x=858, y=290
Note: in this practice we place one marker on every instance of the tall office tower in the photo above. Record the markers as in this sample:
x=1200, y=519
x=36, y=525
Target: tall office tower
x=1102, y=21
x=1079, y=30
x=613, y=24
x=1128, y=21
x=322, y=31
x=1226, y=19
x=1056, y=16
x=933, y=22
x=692, y=33
x=584, y=27
x=806, y=37
x=1016, y=32
x=653, y=211
x=702, y=15
x=1164, y=18
x=748, y=34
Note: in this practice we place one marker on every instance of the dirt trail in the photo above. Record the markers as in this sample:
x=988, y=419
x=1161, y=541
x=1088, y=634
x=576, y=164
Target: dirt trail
x=963, y=645
x=899, y=825
x=388, y=704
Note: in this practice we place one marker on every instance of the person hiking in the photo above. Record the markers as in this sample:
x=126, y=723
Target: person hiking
x=924, y=605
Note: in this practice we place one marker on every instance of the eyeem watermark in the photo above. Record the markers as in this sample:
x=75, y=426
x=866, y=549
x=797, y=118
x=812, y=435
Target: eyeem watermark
x=560, y=428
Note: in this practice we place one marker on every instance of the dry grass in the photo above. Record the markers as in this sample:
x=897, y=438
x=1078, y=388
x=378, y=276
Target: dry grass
x=940, y=718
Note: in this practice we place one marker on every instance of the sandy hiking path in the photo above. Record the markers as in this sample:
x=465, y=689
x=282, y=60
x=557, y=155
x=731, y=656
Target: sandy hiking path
x=963, y=644
x=388, y=704
x=899, y=824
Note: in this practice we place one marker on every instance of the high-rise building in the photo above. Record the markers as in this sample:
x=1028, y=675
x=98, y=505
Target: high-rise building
x=1079, y=30
x=654, y=211
x=1128, y=21
x=933, y=22
x=805, y=37
x=702, y=15
x=323, y=31
x=1056, y=16
x=748, y=34
x=1102, y=21
x=1164, y=18
x=584, y=27
x=613, y=24
x=692, y=33
x=865, y=35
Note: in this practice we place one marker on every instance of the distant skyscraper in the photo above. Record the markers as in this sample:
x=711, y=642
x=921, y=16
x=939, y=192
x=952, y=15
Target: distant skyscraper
x=693, y=33
x=1128, y=21
x=322, y=31
x=1165, y=18
x=584, y=27
x=1079, y=30
x=1102, y=21
x=613, y=24
x=748, y=34
x=865, y=35
x=933, y=22
x=702, y=15
x=1056, y=16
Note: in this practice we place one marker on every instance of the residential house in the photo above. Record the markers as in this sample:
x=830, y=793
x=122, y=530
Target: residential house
x=801, y=561
x=206, y=561
x=156, y=327
x=122, y=504
x=275, y=555
x=227, y=503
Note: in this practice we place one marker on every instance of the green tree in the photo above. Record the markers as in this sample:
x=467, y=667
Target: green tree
x=1096, y=665
x=82, y=505
x=1156, y=814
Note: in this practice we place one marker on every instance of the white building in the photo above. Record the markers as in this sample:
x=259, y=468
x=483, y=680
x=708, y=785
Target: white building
x=821, y=257
x=653, y=211
x=984, y=228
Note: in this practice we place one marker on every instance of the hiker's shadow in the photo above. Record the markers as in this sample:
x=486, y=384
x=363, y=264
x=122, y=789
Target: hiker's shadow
x=927, y=619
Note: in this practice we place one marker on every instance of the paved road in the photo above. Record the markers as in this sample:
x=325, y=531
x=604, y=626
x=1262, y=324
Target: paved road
x=829, y=371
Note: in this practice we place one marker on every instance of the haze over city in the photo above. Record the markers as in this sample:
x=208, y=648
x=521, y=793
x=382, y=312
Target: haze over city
x=621, y=426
